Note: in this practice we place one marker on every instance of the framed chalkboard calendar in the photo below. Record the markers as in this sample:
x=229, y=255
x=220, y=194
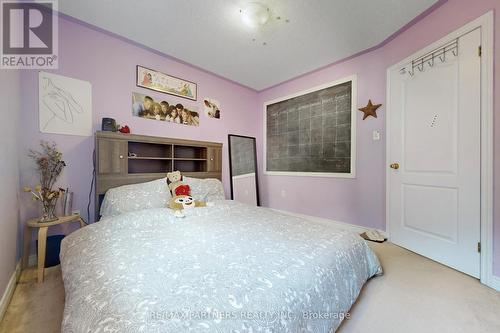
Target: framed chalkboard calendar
x=312, y=132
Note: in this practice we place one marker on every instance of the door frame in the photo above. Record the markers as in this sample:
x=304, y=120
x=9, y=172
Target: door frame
x=485, y=22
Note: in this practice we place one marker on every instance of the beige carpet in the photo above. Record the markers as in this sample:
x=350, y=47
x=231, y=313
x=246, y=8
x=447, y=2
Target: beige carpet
x=36, y=307
x=414, y=295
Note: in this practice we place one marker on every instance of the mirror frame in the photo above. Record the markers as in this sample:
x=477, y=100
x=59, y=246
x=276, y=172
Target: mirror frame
x=255, y=162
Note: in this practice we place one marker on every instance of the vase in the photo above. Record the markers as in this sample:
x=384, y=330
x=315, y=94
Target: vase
x=48, y=210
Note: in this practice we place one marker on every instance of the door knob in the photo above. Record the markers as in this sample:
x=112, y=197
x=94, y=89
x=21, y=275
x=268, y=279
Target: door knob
x=394, y=166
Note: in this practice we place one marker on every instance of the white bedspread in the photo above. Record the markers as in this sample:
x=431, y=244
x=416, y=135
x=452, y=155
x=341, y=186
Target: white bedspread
x=227, y=268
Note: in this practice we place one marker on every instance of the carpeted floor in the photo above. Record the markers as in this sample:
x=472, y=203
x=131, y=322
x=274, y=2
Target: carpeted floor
x=36, y=307
x=414, y=295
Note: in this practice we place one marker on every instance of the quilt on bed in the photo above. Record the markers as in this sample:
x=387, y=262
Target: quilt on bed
x=227, y=268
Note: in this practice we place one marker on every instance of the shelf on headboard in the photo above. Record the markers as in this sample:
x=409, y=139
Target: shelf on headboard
x=155, y=157
x=161, y=166
x=150, y=149
x=148, y=158
x=188, y=159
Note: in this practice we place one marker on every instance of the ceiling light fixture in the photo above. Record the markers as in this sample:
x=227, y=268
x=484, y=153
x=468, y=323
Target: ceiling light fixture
x=255, y=14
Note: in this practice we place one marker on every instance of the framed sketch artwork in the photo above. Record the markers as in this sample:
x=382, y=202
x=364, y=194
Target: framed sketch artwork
x=157, y=81
x=64, y=104
x=312, y=132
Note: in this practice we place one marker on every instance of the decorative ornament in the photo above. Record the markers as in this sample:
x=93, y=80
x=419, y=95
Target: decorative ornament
x=124, y=129
x=370, y=109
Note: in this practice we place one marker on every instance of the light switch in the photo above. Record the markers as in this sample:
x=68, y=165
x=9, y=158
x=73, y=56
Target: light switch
x=376, y=135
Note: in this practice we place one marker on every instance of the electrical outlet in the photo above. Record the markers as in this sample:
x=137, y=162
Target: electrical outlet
x=283, y=193
x=376, y=135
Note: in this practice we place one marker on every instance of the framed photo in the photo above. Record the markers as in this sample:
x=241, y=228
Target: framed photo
x=312, y=132
x=157, y=81
x=211, y=107
x=148, y=108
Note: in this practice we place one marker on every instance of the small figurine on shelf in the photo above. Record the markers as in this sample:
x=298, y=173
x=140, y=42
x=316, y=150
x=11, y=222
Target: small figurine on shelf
x=124, y=129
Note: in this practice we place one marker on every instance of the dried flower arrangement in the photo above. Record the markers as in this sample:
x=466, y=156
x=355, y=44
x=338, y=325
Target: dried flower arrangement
x=49, y=165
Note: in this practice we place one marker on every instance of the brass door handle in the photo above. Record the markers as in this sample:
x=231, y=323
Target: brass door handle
x=394, y=166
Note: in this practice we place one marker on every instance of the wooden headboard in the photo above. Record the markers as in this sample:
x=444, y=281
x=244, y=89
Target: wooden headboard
x=123, y=159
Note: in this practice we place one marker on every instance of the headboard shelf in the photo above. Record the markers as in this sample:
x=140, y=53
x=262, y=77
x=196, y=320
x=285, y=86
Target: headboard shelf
x=188, y=159
x=151, y=158
x=148, y=149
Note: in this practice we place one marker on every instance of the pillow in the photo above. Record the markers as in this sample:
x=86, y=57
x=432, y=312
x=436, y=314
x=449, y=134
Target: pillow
x=128, y=198
x=207, y=190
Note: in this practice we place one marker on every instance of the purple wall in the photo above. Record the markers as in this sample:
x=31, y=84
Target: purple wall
x=109, y=63
x=362, y=200
x=10, y=98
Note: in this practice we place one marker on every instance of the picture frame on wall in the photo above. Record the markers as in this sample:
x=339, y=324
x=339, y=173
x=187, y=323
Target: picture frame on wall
x=211, y=107
x=149, y=108
x=151, y=79
x=64, y=105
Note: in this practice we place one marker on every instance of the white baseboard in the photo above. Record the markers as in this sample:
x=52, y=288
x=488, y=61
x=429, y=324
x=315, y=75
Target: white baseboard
x=494, y=282
x=9, y=291
x=336, y=224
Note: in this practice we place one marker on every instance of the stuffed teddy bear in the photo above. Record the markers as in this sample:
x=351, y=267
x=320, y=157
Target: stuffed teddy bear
x=175, y=184
x=181, y=202
x=181, y=195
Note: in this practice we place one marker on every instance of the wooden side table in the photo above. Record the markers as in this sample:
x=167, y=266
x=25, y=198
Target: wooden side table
x=42, y=239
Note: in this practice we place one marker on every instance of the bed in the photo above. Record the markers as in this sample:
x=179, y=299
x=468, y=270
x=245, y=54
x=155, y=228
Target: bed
x=225, y=268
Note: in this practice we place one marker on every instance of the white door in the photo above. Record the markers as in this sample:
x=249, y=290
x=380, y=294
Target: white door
x=434, y=136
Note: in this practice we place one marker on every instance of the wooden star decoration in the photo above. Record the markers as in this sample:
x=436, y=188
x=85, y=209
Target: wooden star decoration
x=370, y=109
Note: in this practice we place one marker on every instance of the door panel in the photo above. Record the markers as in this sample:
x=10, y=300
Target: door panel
x=436, y=214
x=434, y=197
x=430, y=114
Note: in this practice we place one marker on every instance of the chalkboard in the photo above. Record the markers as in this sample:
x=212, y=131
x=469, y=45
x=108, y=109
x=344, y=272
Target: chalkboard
x=311, y=133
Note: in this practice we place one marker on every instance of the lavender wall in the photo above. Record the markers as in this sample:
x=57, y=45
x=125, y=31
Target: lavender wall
x=362, y=200
x=109, y=63
x=357, y=201
x=10, y=92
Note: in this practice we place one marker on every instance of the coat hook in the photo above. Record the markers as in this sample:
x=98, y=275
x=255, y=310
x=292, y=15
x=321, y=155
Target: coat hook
x=421, y=65
x=431, y=62
x=443, y=57
x=454, y=51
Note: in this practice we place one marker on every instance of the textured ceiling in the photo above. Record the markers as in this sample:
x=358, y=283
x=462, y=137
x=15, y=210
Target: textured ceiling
x=209, y=33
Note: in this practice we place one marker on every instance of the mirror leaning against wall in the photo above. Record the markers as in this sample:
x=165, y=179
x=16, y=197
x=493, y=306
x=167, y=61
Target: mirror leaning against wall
x=243, y=169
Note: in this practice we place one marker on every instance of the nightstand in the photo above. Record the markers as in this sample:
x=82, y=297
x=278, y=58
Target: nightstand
x=42, y=239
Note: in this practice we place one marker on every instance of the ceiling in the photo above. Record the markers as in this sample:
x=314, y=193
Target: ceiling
x=211, y=35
